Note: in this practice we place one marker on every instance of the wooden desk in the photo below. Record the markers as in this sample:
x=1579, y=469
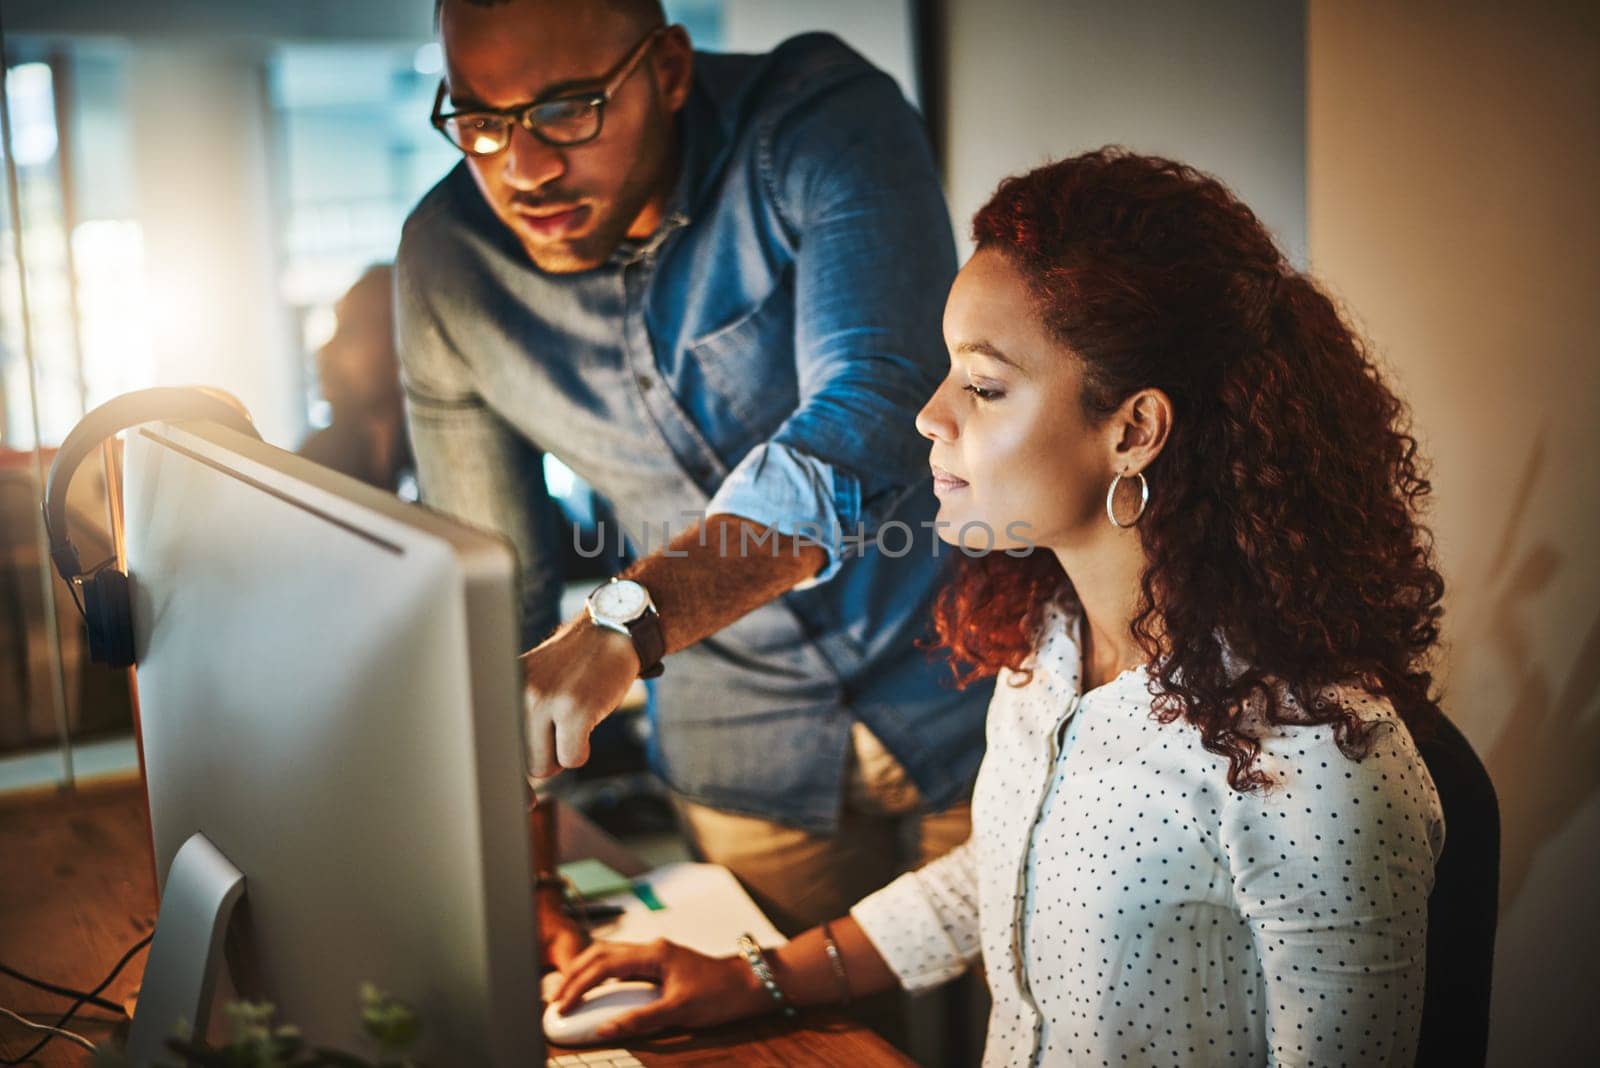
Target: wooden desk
x=77, y=891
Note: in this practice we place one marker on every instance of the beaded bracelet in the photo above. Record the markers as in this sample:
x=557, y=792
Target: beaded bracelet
x=836, y=962
x=763, y=971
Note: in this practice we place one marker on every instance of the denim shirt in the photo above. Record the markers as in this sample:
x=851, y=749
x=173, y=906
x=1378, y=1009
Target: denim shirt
x=763, y=354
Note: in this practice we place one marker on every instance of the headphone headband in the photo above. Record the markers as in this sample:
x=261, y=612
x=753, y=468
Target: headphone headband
x=175, y=403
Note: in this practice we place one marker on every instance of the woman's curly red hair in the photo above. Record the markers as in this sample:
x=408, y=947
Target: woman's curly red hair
x=1283, y=518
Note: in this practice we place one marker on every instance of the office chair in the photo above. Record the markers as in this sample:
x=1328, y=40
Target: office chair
x=1463, y=908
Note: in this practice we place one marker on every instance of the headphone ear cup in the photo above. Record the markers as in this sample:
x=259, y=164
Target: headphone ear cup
x=108, y=611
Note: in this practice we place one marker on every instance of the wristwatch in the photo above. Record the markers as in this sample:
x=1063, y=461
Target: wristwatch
x=624, y=606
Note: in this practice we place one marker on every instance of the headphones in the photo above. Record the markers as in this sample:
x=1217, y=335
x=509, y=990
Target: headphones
x=104, y=594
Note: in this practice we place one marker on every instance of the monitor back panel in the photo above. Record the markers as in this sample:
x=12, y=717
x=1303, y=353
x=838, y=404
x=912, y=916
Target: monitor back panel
x=328, y=690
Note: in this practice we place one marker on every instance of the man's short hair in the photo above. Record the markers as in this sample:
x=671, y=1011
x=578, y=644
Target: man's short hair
x=643, y=13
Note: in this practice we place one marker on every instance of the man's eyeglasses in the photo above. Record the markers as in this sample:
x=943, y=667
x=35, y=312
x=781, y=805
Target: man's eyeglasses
x=561, y=120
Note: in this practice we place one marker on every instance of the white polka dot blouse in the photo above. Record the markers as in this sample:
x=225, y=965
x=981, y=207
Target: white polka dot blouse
x=1131, y=908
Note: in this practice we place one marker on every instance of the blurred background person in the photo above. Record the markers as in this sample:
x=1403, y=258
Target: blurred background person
x=360, y=379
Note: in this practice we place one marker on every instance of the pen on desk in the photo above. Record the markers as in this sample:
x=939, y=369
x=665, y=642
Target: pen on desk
x=591, y=914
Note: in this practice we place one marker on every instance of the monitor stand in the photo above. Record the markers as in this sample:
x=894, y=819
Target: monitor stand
x=186, y=950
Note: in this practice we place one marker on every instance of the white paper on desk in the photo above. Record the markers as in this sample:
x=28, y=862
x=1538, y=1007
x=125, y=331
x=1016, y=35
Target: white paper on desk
x=705, y=909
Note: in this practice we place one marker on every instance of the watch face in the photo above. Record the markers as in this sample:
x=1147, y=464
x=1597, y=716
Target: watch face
x=620, y=601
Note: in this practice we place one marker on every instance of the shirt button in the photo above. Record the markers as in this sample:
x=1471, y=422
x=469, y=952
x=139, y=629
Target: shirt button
x=646, y=383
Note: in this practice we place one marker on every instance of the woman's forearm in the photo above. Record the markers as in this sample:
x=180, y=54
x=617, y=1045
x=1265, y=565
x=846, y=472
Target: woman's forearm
x=806, y=976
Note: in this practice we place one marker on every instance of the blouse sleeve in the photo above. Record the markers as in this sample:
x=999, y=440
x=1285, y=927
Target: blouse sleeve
x=1331, y=868
x=925, y=923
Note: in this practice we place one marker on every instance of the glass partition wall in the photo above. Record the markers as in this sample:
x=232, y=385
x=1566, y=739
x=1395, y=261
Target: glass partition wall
x=61, y=717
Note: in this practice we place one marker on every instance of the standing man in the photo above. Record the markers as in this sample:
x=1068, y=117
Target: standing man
x=710, y=285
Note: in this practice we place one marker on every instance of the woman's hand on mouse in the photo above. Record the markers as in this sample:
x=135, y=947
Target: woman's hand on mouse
x=696, y=990
x=561, y=936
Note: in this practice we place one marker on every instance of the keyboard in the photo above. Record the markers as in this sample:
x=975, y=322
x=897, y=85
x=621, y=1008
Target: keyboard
x=596, y=1058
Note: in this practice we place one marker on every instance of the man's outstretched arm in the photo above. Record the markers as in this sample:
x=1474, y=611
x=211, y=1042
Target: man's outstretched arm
x=713, y=573
x=853, y=173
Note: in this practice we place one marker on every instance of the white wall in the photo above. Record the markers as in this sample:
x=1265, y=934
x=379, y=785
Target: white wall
x=205, y=204
x=1454, y=163
x=1220, y=85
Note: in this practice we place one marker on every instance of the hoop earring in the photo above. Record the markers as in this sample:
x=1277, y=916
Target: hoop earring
x=1111, y=496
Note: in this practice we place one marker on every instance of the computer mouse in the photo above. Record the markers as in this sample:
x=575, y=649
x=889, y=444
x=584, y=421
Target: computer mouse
x=599, y=1006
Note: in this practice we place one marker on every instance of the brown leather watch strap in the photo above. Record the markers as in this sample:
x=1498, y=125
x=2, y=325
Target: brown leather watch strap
x=649, y=643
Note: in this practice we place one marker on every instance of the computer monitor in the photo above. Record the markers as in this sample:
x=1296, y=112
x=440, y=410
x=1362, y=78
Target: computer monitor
x=328, y=693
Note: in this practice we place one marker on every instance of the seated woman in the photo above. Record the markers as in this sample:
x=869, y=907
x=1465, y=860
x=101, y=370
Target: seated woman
x=1202, y=832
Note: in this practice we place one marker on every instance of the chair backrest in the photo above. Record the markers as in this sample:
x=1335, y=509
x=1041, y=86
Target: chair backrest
x=1464, y=905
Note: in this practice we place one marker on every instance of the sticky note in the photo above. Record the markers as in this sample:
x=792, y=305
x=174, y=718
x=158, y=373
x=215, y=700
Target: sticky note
x=592, y=879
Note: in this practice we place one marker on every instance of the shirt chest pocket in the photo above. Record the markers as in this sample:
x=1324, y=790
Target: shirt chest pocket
x=747, y=368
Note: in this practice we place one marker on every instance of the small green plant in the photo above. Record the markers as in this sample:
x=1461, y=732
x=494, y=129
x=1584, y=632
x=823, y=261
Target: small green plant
x=258, y=1042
